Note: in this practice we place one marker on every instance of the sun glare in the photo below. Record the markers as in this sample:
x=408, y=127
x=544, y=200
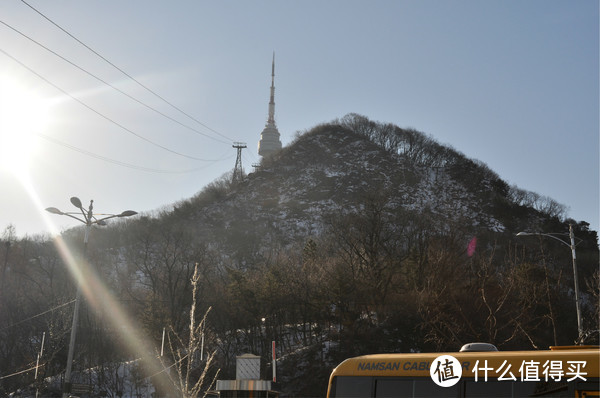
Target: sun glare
x=23, y=114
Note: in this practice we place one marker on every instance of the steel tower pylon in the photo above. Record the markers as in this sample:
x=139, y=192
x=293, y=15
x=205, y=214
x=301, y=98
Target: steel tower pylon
x=238, y=171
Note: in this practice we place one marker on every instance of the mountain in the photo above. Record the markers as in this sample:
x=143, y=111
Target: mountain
x=334, y=168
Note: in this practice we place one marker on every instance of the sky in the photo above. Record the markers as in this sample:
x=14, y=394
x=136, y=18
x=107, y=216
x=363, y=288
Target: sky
x=513, y=84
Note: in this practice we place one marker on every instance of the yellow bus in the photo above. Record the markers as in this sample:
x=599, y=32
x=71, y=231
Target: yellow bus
x=477, y=370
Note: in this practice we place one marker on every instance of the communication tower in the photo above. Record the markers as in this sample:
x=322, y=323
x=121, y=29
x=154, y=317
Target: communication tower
x=269, y=139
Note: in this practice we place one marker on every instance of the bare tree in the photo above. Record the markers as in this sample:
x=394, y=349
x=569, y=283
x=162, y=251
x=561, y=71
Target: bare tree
x=192, y=374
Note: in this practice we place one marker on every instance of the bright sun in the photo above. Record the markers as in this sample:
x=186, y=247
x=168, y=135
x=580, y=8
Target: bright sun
x=23, y=115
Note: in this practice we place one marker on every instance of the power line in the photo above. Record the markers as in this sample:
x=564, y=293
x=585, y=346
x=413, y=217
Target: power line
x=18, y=373
x=98, y=112
x=110, y=85
x=124, y=164
x=125, y=73
x=38, y=315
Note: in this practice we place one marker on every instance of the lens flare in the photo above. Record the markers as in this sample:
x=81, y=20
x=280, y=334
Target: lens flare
x=23, y=115
x=99, y=297
x=472, y=247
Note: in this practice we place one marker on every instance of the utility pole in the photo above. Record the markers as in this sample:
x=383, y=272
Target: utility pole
x=37, y=365
x=576, y=282
x=571, y=244
x=238, y=171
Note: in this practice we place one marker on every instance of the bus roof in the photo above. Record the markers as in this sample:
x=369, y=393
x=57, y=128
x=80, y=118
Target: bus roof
x=418, y=364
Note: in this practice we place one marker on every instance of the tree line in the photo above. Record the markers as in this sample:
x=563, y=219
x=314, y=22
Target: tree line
x=366, y=285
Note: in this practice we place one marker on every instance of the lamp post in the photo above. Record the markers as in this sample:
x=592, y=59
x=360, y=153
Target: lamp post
x=88, y=219
x=576, y=280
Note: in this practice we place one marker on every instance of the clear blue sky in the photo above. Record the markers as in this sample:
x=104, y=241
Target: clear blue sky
x=513, y=84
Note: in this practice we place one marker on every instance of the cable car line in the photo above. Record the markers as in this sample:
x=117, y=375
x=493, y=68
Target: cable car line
x=125, y=73
x=120, y=163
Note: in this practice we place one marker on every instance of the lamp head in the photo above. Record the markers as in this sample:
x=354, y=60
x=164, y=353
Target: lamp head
x=54, y=210
x=128, y=213
x=76, y=202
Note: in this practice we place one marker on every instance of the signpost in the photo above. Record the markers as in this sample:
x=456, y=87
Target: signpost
x=78, y=388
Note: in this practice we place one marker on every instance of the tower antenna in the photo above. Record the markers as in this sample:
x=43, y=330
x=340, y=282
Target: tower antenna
x=271, y=119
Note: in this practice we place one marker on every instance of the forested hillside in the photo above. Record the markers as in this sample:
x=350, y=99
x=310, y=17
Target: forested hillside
x=358, y=237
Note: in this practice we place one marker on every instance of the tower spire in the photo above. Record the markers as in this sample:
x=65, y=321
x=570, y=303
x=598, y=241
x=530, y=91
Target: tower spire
x=271, y=119
x=269, y=138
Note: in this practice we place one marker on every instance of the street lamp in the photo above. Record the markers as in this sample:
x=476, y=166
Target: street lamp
x=88, y=219
x=572, y=246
